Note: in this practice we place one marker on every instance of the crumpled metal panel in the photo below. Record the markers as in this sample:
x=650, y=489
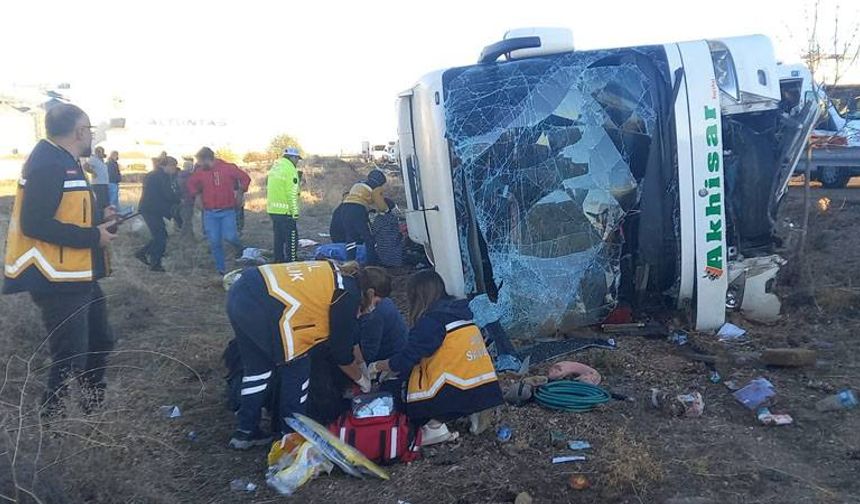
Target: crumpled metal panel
x=541, y=152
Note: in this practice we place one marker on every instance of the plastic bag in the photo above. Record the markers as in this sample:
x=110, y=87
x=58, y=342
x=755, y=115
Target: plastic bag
x=293, y=462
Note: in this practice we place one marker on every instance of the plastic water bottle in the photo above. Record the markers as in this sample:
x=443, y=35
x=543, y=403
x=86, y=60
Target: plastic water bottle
x=844, y=399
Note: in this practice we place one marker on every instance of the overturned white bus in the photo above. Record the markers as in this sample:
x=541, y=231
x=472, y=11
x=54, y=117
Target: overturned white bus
x=558, y=182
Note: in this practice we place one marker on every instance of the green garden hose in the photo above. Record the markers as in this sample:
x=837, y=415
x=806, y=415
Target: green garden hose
x=571, y=396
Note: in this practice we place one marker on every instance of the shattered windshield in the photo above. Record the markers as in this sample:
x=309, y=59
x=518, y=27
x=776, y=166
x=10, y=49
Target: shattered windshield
x=547, y=159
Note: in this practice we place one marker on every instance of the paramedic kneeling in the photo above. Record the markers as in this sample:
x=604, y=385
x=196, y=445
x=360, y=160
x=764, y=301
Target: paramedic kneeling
x=279, y=312
x=450, y=374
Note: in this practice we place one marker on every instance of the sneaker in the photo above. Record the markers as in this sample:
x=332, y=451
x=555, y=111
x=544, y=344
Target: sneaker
x=140, y=255
x=244, y=440
x=157, y=267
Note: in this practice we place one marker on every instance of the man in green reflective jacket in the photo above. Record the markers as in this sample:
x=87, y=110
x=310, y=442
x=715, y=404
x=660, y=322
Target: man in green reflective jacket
x=283, y=204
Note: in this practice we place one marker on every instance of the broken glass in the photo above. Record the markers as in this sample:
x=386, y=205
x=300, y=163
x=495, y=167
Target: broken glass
x=547, y=159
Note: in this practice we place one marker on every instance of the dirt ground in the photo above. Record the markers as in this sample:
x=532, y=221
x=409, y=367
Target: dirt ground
x=171, y=330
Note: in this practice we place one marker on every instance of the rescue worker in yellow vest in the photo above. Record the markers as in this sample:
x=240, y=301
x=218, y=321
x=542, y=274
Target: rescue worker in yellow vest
x=55, y=250
x=282, y=204
x=351, y=218
x=449, y=371
x=279, y=313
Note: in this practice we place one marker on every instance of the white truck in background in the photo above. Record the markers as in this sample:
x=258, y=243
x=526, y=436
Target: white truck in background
x=559, y=183
x=835, y=141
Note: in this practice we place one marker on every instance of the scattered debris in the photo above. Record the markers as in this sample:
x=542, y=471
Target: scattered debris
x=504, y=433
x=191, y=436
x=170, y=411
x=824, y=204
x=305, y=243
x=691, y=405
x=844, y=399
x=755, y=394
x=765, y=417
x=578, y=445
x=714, y=376
x=732, y=334
x=523, y=498
x=563, y=459
x=679, y=337
x=253, y=257
x=579, y=482
x=296, y=463
x=789, y=357
x=241, y=485
x=563, y=369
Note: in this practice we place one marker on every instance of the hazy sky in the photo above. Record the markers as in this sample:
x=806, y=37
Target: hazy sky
x=329, y=72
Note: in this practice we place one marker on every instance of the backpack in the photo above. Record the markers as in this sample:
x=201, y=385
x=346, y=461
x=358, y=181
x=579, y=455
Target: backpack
x=383, y=439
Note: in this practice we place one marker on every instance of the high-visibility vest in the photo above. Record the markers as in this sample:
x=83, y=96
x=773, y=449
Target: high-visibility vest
x=282, y=189
x=461, y=362
x=307, y=291
x=56, y=263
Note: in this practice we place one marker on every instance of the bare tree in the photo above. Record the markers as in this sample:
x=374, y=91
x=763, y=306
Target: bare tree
x=828, y=54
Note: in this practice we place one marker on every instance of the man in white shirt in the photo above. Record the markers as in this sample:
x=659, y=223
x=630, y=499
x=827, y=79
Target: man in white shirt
x=99, y=177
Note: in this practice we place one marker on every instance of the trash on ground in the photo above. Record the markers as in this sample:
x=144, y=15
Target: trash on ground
x=504, y=433
x=296, y=461
x=823, y=204
x=191, y=436
x=583, y=373
x=571, y=396
x=765, y=417
x=523, y=498
x=577, y=444
x=691, y=405
x=844, y=399
x=252, y=256
x=305, y=243
x=518, y=394
x=170, y=411
x=241, y=485
x=679, y=337
x=579, y=482
x=714, y=376
x=563, y=459
x=755, y=393
x=789, y=357
x=732, y=333
x=350, y=460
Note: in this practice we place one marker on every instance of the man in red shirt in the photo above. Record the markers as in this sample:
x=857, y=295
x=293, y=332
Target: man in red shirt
x=217, y=181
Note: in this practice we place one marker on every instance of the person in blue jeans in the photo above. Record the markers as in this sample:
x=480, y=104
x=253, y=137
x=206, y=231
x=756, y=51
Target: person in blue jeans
x=221, y=227
x=218, y=182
